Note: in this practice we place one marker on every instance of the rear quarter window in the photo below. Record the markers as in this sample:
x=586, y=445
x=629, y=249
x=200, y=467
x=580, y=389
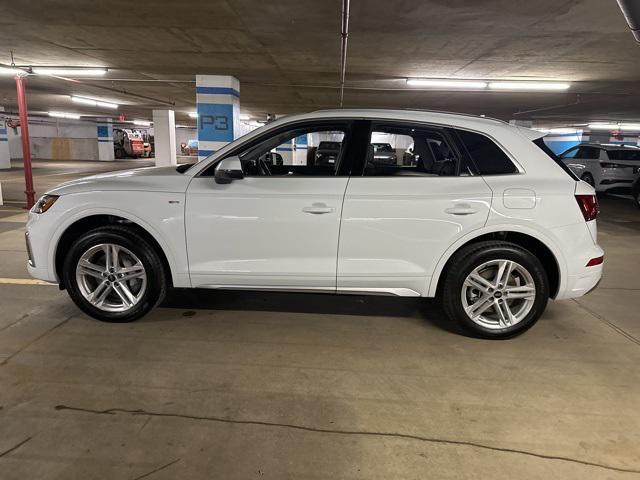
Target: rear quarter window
x=488, y=157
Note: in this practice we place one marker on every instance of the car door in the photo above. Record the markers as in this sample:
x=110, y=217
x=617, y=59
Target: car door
x=398, y=219
x=276, y=228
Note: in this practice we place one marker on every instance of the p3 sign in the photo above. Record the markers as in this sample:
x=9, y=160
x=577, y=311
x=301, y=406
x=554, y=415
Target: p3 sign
x=219, y=122
x=215, y=122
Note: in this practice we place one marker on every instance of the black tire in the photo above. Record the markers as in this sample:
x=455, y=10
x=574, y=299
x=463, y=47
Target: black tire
x=128, y=238
x=587, y=177
x=636, y=196
x=470, y=257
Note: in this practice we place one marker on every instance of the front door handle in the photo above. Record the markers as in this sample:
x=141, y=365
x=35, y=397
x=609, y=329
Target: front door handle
x=461, y=209
x=318, y=208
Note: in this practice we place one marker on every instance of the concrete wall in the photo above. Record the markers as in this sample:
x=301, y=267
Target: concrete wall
x=183, y=135
x=70, y=139
x=58, y=140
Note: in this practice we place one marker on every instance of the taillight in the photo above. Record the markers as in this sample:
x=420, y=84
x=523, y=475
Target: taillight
x=612, y=165
x=588, y=206
x=595, y=261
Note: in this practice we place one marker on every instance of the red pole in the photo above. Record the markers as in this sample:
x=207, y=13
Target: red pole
x=26, y=150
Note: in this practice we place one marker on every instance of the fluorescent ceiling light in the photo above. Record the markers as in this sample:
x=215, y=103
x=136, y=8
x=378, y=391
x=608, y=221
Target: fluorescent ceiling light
x=73, y=116
x=563, y=130
x=93, y=103
x=193, y=114
x=630, y=126
x=603, y=126
x=72, y=72
x=529, y=86
x=446, y=83
x=142, y=123
x=559, y=130
x=11, y=71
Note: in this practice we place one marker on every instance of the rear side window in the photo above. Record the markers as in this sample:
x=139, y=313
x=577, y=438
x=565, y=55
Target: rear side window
x=624, y=154
x=488, y=157
x=539, y=142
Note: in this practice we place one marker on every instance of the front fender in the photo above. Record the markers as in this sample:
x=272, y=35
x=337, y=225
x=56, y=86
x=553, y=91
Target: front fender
x=155, y=212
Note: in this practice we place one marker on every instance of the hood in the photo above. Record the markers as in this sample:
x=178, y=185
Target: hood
x=150, y=179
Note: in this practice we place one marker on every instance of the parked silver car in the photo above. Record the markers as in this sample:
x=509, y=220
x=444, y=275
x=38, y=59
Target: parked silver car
x=607, y=167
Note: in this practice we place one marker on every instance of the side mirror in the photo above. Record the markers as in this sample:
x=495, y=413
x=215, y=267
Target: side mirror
x=228, y=170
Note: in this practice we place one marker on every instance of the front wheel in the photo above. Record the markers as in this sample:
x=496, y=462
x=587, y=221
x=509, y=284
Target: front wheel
x=495, y=289
x=113, y=274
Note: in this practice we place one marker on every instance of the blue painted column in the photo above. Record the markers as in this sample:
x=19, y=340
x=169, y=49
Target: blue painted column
x=300, y=148
x=218, y=107
x=105, y=140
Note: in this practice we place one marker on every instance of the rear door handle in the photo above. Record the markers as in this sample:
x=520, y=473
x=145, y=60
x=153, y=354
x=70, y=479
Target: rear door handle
x=461, y=209
x=318, y=208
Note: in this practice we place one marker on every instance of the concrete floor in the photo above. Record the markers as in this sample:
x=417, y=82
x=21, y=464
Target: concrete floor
x=255, y=385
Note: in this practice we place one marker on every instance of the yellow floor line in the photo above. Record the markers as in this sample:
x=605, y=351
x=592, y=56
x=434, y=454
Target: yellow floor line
x=23, y=281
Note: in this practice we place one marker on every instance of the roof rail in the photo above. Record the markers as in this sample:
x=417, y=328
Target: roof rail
x=413, y=110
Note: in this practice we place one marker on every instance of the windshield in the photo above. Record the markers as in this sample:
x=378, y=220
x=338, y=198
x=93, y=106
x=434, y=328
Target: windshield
x=382, y=147
x=329, y=146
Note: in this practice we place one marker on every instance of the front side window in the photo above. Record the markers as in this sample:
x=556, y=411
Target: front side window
x=588, y=153
x=396, y=150
x=571, y=153
x=306, y=151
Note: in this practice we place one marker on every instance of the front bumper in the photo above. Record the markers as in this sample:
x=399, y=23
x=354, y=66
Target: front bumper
x=39, y=261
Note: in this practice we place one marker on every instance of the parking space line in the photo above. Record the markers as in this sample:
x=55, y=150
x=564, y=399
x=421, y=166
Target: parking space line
x=23, y=281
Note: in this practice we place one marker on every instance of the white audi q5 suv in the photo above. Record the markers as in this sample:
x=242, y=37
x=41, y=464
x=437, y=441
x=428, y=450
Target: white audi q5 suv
x=483, y=216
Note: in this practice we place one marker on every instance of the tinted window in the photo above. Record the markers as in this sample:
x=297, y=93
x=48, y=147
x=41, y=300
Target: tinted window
x=329, y=146
x=588, y=153
x=624, y=154
x=488, y=157
x=398, y=150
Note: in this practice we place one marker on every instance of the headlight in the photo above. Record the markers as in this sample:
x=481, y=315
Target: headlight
x=44, y=204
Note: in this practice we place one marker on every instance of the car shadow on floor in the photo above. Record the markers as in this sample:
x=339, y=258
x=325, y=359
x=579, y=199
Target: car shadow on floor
x=419, y=309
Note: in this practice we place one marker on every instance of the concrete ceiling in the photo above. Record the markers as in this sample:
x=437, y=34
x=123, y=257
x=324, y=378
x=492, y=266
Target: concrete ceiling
x=286, y=54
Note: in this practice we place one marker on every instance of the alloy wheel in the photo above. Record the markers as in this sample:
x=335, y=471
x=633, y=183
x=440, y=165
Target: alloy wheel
x=498, y=294
x=111, y=277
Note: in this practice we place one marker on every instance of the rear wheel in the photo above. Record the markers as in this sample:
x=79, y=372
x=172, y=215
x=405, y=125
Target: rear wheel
x=495, y=289
x=114, y=275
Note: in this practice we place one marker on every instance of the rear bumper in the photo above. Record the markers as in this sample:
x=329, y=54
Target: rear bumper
x=579, y=246
x=581, y=284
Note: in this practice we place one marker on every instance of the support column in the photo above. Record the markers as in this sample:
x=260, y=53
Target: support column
x=105, y=140
x=218, y=107
x=300, y=149
x=164, y=134
x=5, y=159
